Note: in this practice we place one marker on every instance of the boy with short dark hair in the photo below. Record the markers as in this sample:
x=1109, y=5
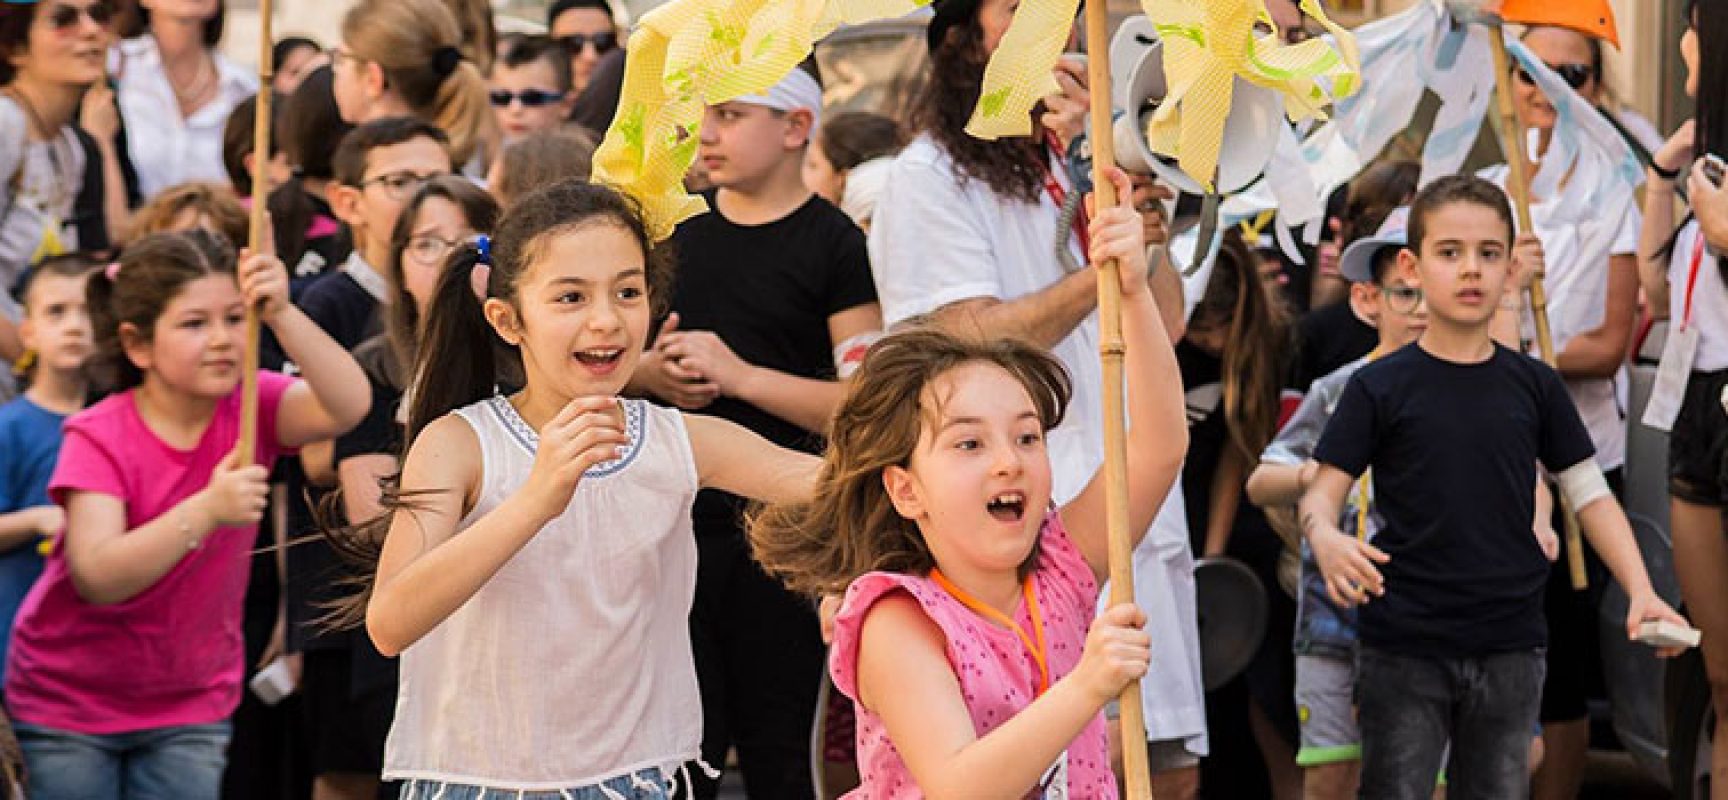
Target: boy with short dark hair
x=530, y=87
x=1451, y=642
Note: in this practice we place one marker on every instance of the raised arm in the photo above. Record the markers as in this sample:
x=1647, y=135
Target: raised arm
x=1157, y=416
x=333, y=393
x=1658, y=228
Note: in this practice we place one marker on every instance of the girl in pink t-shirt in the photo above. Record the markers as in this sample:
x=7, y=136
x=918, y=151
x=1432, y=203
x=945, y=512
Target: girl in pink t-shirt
x=127, y=655
x=963, y=637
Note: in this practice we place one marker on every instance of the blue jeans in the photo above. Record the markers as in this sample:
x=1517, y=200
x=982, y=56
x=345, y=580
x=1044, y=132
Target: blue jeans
x=1409, y=707
x=184, y=762
x=648, y=784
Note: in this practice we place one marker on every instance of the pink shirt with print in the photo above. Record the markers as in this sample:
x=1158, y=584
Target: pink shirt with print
x=173, y=654
x=997, y=676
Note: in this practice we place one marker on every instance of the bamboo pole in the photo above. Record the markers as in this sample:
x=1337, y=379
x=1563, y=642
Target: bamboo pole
x=259, y=235
x=1136, y=770
x=1518, y=185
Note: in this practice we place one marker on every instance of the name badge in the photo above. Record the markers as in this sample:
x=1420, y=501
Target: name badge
x=1671, y=376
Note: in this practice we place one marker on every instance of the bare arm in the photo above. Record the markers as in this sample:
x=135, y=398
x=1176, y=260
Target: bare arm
x=905, y=678
x=1044, y=317
x=332, y=394
x=1157, y=413
x=1658, y=229
x=317, y=461
x=21, y=527
x=1346, y=563
x=1600, y=352
x=110, y=564
x=732, y=458
x=1166, y=284
x=427, y=570
x=362, y=491
x=1275, y=485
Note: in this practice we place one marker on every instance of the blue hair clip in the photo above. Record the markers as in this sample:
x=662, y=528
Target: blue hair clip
x=483, y=244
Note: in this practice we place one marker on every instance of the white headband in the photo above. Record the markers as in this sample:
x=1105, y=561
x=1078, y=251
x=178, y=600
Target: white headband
x=798, y=90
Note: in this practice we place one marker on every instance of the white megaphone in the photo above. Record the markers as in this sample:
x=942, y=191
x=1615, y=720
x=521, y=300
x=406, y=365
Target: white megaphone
x=1250, y=132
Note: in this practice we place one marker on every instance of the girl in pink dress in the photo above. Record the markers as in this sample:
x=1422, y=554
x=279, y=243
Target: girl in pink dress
x=963, y=637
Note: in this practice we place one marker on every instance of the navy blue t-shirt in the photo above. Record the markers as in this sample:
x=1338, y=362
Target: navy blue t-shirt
x=29, y=446
x=1454, y=449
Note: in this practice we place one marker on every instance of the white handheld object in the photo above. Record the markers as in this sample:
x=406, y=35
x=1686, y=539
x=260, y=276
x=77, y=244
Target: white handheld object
x=274, y=682
x=1662, y=633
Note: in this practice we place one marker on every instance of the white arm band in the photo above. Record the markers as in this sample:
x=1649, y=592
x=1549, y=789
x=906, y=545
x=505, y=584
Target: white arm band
x=1583, y=484
x=848, y=355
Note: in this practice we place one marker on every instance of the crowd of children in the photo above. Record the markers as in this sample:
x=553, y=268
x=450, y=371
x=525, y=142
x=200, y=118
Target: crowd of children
x=541, y=507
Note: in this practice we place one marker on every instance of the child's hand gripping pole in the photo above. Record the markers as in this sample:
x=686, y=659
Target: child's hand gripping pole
x=1518, y=185
x=260, y=239
x=1135, y=766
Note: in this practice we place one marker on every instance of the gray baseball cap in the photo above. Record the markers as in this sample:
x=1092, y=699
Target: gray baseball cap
x=1357, y=263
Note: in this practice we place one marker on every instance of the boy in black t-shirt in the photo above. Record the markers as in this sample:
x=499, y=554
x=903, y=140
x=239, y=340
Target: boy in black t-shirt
x=773, y=303
x=1451, y=644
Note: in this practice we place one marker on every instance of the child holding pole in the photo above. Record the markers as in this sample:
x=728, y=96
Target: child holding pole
x=1452, y=631
x=963, y=636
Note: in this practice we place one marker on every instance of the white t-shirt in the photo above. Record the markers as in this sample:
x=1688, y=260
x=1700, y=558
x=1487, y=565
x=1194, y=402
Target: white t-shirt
x=1709, y=300
x=939, y=238
x=1577, y=289
x=167, y=148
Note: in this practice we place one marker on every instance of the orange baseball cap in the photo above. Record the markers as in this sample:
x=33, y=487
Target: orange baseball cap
x=1590, y=17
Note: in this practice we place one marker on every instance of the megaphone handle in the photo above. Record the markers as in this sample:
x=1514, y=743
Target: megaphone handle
x=1208, y=233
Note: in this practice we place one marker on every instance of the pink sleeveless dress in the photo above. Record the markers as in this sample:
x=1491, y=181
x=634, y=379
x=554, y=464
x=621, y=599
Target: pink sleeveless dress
x=997, y=675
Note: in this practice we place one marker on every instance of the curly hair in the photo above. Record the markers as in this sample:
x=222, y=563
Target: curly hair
x=1013, y=167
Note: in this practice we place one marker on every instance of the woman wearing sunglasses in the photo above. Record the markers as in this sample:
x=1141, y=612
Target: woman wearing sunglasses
x=60, y=187
x=588, y=29
x=176, y=91
x=1592, y=282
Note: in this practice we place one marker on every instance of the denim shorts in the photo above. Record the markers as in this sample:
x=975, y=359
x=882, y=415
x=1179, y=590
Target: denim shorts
x=648, y=784
x=184, y=762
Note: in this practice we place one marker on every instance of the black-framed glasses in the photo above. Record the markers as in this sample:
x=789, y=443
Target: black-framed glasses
x=64, y=17
x=431, y=249
x=1402, y=299
x=604, y=42
x=1575, y=75
x=531, y=98
x=398, y=185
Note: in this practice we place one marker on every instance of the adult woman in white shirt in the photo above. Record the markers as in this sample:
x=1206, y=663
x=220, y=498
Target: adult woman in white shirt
x=60, y=187
x=176, y=91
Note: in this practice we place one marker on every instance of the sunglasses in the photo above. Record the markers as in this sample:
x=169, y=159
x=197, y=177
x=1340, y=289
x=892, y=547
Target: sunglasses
x=531, y=98
x=603, y=41
x=1575, y=75
x=65, y=17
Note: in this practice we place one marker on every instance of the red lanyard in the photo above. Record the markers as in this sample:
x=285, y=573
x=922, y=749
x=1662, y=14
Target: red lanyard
x=1082, y=220
x=1692, y=279
x=1034, y=643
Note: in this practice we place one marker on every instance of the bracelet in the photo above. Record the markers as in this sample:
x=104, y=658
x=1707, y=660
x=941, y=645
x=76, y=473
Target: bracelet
x=192, y=542
x=1668, y=175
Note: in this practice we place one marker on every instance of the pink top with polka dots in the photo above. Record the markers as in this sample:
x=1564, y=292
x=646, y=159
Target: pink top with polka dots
x=997, y=675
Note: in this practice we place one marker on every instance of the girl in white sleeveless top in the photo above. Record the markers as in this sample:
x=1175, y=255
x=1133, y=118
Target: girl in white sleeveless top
x=539, y=564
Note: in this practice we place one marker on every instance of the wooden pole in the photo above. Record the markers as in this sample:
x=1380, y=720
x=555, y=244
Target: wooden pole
x=1137, y=776
x=1518, y=185
x=259, y=236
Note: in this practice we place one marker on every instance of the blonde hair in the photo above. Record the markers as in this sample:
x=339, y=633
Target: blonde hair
x=410, y=40
x=211, y=200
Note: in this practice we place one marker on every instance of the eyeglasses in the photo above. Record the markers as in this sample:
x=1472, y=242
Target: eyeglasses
x=603, y=42
x=65, y=17
x=531, y=98
x=1402, y=299
x=398, y=185
x=429, y=250
x=1575, y=75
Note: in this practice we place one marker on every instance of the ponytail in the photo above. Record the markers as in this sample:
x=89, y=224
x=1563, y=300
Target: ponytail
x=460, y=353
x=464, y=111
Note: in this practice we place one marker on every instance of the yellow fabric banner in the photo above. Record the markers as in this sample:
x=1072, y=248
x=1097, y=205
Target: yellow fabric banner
x=688, y=54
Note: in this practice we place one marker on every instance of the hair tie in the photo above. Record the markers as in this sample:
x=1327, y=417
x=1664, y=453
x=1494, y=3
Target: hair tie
x=483, y=246
x=445, y=61
x=112, y=271
x=480, y=275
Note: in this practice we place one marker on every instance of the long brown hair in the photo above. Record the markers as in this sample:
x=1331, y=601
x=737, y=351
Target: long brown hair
x=461, y=356
x=849, y=526
x=1013, y=167
x=1257, y=339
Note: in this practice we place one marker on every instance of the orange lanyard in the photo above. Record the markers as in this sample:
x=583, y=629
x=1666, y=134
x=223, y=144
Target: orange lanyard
x=1034, y=643
x=1362, y=488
